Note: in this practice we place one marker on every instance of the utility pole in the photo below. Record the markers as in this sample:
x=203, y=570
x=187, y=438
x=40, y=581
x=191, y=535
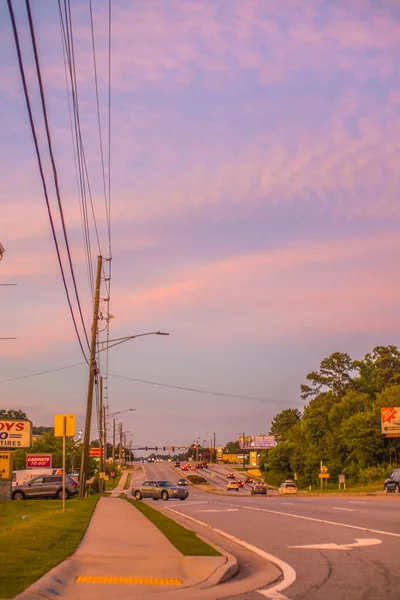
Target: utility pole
x=92, y=372
x=105, y=438
x=113, y=445
x=130, y=453
x=101, y=447
x=244, y=456
x=214, y=456
x=120, y=445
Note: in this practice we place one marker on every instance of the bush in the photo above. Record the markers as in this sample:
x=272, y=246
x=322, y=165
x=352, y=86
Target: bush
x=373, y=474
x=197, y=479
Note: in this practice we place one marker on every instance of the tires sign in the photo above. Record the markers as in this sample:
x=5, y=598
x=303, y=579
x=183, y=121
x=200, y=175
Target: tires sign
x=15, y=434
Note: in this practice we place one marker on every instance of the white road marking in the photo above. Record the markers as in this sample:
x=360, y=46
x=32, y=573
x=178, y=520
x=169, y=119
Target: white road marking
x=291, y=503
x=340, y=508
x=289, y=574
x=214, y=510
x=355, y=502
x=358, y=544
x=285, y=514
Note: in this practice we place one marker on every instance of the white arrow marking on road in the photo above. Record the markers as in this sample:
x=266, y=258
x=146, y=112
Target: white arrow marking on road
x=358, y=544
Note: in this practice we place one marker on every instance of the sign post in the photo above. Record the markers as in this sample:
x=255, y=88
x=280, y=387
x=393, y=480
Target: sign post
x=323, y=474
x=390, y=422
x=64, y=425
x=342, y=481
x=6, y=469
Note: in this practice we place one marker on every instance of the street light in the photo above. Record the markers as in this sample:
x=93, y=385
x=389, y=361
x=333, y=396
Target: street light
x=92, y=372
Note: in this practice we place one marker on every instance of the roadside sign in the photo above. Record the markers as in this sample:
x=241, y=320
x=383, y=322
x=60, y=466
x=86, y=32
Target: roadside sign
x=390, y=422
x=323, y=475
x=15, y=434
x=59, y=424
x=96, y=452
x=6, y=465
x=38, y=461
x=342, y=478
x=324, y=469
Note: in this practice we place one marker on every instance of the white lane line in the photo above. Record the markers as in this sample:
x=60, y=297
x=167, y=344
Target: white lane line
x=355, y=502
x=293, y=516
x=218, y=510
x=289, y=574
x=340, y=508
x=291, y=503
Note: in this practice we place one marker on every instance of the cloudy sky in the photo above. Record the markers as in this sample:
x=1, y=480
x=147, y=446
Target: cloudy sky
x=254, y=204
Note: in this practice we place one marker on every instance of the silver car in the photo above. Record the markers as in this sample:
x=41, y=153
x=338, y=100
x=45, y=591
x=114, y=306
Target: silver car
x=156, y=490
x=45, y=486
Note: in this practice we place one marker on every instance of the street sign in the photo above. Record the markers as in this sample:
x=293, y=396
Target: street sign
x=324, y=469
x=15, y=434
x=38, y=461
x=390, y=422
x=5, y=465
x=59, y=425
x=342, y=478
x=323, y=475
x=95, y=452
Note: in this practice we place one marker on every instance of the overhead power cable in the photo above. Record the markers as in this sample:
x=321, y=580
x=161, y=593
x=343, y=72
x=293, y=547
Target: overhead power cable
x=53, y=163
x=42, y=373
x=33, y=129
x=208, y=392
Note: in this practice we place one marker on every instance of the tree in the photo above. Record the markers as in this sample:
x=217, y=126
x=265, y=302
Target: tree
x=41, y=429
x=233, y=448
x=334, y=375
x=378, y=370
x=283, y=422
x=13, y=415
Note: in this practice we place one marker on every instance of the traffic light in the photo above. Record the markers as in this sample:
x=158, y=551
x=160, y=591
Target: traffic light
x=156, y=448
x=164, y=448
x=173, y=448
x=146, y=448
x=179, y=447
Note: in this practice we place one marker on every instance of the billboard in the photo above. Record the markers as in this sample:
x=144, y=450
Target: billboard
x=15, y=434
x=257, y=442
x=38, y=461
x=390, y=422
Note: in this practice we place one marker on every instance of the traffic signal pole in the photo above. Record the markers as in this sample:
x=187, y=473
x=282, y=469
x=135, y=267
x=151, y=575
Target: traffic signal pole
x=92, y=372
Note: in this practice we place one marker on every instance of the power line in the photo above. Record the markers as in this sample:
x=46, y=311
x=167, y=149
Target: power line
x=39, y=159
x=52, y=159
x=210, y=392
x=42, y=373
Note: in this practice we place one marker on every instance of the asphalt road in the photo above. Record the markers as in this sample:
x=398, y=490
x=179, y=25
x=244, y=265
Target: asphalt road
x=340, y=548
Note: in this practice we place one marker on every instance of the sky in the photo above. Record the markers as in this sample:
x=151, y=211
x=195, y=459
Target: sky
x=254, y=206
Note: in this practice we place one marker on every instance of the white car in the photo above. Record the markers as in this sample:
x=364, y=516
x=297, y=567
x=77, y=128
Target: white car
x=288, y=487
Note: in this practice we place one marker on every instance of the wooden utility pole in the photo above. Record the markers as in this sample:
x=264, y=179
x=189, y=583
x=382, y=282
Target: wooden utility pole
x=244, y=456
x=105, y=438
x=113, y=444
x=120, y=445
x=101, y=447
x=92, y=372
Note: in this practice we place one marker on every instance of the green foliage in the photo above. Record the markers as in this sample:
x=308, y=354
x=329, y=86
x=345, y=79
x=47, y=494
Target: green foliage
x=16, y=415
x=196, y=479
x=341, y=423
x=233, y=448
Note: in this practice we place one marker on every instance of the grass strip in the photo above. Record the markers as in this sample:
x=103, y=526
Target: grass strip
x=38, y=536
x=127, y=481
x=183, y=539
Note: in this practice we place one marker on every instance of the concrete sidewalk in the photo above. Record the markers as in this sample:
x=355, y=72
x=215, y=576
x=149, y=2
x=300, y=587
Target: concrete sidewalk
x=123, y=555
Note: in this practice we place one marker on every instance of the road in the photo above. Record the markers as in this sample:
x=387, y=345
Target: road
x=340, y=548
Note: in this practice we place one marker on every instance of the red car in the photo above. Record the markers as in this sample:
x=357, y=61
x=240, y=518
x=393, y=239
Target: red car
x=240, y=482
x=231, y=476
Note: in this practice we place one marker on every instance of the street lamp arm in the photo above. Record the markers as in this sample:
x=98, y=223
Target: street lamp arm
x=119, y=412
x=127, y=338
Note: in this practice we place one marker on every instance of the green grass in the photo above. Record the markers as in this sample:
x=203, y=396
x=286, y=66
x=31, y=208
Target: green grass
x=355, y=489
x=34, y=545
x=183, y=539
x=197, y=480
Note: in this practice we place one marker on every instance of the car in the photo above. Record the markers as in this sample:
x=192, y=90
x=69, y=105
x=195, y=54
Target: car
x=199, y=466
x=231, y=476
x=259, y=488
x=182, y=481
x=288, y=487
x=232, y=485
x=177, y=464
x=392, y=484
x=45, y=486
x=185, y=468
x=249, y=480
x=240, y=482
x=156, y=490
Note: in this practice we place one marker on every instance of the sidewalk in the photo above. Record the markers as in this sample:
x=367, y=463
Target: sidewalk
x=123, y=555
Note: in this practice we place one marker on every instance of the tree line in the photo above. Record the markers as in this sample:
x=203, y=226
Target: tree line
x=341, y=424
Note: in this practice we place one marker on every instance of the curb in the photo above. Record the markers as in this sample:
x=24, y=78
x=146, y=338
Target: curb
x=52, y=584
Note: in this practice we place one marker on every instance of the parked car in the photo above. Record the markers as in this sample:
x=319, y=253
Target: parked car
x=392, y=484
x=288, y=487
x=159, y=489
x=45, y=486
x=232, y=485
x=259, y=488
x=182, y=481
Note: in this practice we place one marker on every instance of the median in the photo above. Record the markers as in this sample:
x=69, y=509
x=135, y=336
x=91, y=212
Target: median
x=184, y=540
